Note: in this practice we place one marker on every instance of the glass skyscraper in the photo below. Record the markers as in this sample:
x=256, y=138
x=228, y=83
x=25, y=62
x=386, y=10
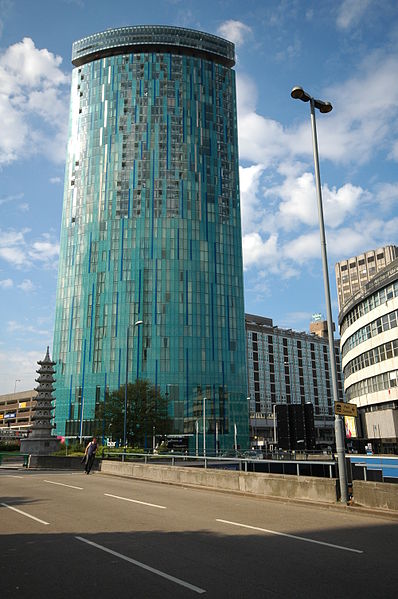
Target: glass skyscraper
x=151, y=231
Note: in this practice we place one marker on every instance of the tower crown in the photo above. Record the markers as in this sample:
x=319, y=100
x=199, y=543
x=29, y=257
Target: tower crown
x=153, y=38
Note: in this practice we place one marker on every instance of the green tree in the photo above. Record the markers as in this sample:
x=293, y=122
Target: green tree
x=146, y=412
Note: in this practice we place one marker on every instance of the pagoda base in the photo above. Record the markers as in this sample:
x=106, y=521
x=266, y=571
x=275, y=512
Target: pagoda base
x=45, y=446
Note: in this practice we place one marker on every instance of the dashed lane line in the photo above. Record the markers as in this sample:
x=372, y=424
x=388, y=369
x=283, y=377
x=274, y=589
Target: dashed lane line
x=52, y=482
x=284, y=534
x=160, y=507
x=178, y=581
x=14, y=509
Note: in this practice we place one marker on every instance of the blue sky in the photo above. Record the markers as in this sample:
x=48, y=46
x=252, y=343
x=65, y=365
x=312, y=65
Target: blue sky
x=344, y=51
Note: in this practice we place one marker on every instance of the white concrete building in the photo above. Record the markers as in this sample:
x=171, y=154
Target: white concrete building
x=369, y=348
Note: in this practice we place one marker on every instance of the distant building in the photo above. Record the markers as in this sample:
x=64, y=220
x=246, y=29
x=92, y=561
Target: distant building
x=352, y=274
x=289, y=367
x=320, y=328
x=16, y=410
x=369, y=348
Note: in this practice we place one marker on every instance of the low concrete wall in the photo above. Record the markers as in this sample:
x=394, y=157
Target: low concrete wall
x=53, y=462
x=271, y=485
x=382, y=496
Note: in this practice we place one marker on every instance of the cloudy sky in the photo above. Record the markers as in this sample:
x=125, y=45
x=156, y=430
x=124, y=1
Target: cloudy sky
x=344, y=51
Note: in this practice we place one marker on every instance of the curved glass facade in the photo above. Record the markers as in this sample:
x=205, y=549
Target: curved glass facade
x=151, y=232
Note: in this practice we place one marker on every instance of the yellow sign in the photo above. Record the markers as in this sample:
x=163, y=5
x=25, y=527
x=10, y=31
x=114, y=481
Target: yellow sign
x=345, y=409
x=350, y=427
x=22, y=404
x=1, y=416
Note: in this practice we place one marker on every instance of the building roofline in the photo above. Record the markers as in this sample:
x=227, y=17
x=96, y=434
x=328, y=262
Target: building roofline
x=388, y=274
x=153, y=38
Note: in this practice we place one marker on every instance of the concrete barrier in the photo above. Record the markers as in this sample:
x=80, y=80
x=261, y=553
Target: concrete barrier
x=370, y=494
x=53, y=462
x=270, y=485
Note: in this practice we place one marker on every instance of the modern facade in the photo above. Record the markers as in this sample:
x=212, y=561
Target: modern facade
x=369, y=348
x=289, y=367
x=354, y=273
x=150, y=273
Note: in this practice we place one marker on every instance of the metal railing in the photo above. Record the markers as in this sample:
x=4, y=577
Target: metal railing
x=298, y=467
x=11, y=458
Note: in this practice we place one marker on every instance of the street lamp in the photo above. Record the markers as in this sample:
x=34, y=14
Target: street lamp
x=204, y=426
x=250, y=423
x=136, y=324
x=299, y=94
x=15, y=384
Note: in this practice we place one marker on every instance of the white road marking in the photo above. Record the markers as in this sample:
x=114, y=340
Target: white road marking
x=283, y=534
x=13, y=476
x=24, y=513
x=160, y=507
x=52, y=482
x=144, y=566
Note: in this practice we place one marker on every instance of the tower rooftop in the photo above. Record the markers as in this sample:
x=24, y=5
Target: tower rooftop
x=153, y=38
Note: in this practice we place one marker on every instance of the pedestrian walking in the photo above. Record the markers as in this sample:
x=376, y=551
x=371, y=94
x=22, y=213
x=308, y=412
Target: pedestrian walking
x=90, y=454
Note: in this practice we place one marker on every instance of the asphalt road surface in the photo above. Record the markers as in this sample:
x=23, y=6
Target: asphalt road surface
x=69, y=535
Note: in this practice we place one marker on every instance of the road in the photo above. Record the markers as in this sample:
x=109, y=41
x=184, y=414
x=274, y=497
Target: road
x=69, y=535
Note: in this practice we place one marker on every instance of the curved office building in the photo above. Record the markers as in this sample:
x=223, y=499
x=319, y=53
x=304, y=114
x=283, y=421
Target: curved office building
x=369, y=347
x=151, y=231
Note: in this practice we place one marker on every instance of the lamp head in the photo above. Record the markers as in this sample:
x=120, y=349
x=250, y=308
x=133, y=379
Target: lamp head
x=323, y=106
x=298, y=93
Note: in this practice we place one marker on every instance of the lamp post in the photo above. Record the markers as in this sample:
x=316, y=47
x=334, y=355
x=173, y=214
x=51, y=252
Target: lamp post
x=15, y=384
x=136, y=324
x=298, y=93
x=274, y=417
x=197, y=437
x=250, y=424
x=204, y=426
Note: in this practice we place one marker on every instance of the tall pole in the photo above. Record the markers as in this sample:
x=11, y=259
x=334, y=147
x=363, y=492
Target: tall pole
x=274, y=415
x=235, y=437
x=250, y=424
x=204, y=426
x=197, y=437
x=125, y=389
x=15, y=384
x=338, y=422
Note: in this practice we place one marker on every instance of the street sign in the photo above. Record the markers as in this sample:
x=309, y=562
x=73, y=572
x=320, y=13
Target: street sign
x=345, y=409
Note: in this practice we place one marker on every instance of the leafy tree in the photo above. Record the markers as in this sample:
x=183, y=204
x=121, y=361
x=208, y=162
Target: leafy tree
x=146, y=409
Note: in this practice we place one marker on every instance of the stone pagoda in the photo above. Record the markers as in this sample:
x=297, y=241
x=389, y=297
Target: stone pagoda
x=40, y=440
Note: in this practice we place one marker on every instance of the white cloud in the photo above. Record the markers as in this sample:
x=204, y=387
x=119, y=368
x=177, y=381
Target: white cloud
x=44, y=251
x=27, y=285
x=16, y=327
x=55, y=180
x=303, y=248
x=11, y=198
x=234, y=31
x=6, y=283
x=256, y=251
x=394, y=151
x=357, y=128
x=21, y=365
x=350, y=12
x=22, y=253
x=33, y=103
x=299, y=203
x=249, y=190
